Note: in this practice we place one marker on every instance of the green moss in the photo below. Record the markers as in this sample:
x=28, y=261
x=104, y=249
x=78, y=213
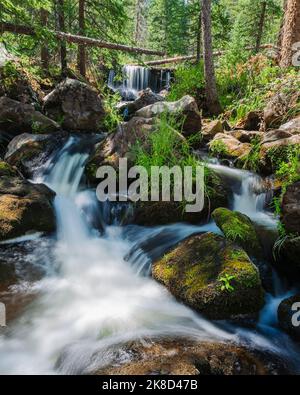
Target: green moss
x=6, y=169
x=192, y=272
x=238, y=228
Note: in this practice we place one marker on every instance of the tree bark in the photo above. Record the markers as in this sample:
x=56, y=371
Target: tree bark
x=81, y=47
x=44, y=49
x=213, y=103
x=63, y=47
x=261, y=26
x=198, y=56
x=72, y=38
x=290, y=32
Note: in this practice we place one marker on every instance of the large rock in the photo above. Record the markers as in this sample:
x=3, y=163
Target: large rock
x=227, y=146
x=24, y=207
x=237, y=227
x=252, y=121
x=293, y=126
x=76, y=106
x=16, y=117
x=245, y=136
x=162, y=213
x=290, y=212
x=145, y=98
x=211, y=129
x=275, y=146
x=185, y=107
x=28, y=152
x=186, y=357
x=288, y=256
x=193, y=273
x=286, y=316
x=119, y=145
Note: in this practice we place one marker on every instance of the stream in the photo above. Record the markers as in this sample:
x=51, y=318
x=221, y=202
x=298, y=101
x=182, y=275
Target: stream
x=94, y=292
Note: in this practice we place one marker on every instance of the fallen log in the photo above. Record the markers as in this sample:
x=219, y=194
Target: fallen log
x=178, y=59
x=75, y=39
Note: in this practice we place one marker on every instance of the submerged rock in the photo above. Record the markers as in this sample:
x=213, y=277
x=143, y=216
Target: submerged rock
x=24, y=207
x=237, y=227
x=196, y=270
x=76, y=105
x=288, y=320
x=186, y=108
x=28, y=152
x=16, y=117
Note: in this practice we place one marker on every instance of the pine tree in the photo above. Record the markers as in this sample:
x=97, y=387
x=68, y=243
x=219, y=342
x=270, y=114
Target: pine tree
x=213, y=104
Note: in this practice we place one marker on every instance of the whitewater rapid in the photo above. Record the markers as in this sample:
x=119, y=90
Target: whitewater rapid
x=96, y=294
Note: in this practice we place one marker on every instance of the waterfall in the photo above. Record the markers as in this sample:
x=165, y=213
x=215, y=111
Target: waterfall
x=137, y=78
x=94, y=299
x=250, y=193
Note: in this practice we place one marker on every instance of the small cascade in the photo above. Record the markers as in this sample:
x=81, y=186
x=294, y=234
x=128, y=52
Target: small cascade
x=250, y=193
x=137, y=78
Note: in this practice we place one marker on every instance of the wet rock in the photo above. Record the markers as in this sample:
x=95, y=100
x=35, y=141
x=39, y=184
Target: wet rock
x=227, y=146
x=252, y=121
x=16, y=117
x=162, y=213
x=288, y=256
x=185, y=357
x=288, y=320
x=290, y=208
x=237, y=227
x=24, y=207
x=211, y=129
x=76, y=106
x=185, y=107
x=195, y=270
x=145, y=98
x=28, y=152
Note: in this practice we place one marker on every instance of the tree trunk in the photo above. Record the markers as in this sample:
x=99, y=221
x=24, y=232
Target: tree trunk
x=81, y=47
x=290, y=32
x=213, y=103
x=199, y=35
x=44, y=49
x=63, y=47
x=261, y=26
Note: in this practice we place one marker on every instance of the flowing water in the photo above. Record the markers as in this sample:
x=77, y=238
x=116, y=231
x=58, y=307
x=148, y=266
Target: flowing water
x=136, y=79
x=95, y=294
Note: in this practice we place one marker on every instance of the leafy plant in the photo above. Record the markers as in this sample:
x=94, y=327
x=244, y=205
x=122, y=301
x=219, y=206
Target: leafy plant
x=226, y=282
x=113, y=117
x=218, y=148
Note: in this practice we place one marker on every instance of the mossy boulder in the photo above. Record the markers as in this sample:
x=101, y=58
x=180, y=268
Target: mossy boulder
x=24, y=207
x=237, y=227
x=194, y=272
